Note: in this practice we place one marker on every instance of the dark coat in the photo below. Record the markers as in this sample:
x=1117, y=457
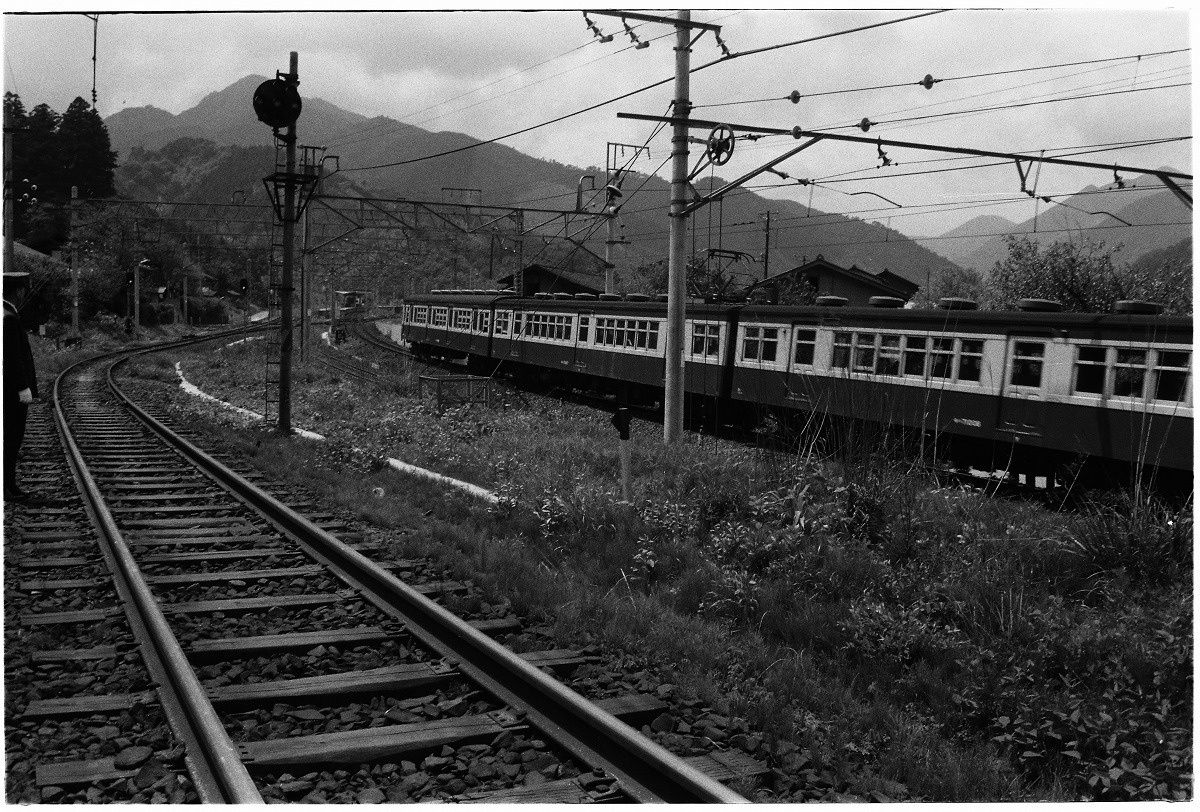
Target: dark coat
x=19, y=371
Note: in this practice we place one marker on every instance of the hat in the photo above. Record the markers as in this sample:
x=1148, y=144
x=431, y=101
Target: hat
x=16, y=279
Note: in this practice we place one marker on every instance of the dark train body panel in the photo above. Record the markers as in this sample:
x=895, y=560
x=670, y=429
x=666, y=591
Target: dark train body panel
x=1108, y=386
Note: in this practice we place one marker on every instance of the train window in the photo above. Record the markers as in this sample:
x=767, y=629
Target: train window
x=420, y=314
x=941, y=358
x=914, y=355
x=970, y=359
x=483, y=320
x=806, y=345
x=462, y=319
x=584, y=322
x=841, y=351
x=554, y=326
x=637, y=333
x=887, y=362
x=1090, y=369
x=1170, y=375
x=1027, y=363
x=440, y=315
x=706, y=340
x=864, y=352
x=407, y=317
x=503, y=319
x=1129, y=374
x=760, y=343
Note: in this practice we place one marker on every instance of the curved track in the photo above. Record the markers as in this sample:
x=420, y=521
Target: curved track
x=278, y=648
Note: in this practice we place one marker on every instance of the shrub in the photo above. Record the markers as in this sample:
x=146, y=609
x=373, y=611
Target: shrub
x=1133, y=533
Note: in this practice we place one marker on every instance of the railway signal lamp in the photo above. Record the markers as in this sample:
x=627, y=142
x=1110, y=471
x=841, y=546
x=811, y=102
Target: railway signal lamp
x=277, y=103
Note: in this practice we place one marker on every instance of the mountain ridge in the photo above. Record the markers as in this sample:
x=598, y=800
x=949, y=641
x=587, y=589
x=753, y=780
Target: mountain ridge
x=382, y=157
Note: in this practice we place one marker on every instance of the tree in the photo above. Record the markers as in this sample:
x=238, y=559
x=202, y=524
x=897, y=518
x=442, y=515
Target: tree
x=50, y=154
x=952, y=282
x=1082, y=277
x=85, y=153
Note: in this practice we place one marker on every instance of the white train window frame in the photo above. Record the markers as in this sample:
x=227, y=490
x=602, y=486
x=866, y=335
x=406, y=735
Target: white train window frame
x=502, y=323
x=623, y=334
x=705, y=341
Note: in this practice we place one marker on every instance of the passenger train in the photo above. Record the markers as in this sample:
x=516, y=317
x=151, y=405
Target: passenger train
x=1026, y=391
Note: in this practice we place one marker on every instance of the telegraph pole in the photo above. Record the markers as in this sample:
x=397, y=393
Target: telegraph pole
x=673, y=394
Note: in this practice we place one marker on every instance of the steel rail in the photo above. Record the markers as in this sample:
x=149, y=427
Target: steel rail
x=214, y=762
x=647, y=772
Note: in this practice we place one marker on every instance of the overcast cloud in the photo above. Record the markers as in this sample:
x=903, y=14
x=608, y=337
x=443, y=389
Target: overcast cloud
x=491, y=73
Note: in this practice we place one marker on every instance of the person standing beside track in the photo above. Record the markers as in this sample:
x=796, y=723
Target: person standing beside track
x=20, y=381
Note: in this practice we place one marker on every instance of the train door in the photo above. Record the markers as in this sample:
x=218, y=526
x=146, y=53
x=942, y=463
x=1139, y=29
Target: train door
x=516, y=345
x=1022, y=408
x=801, y=348
x=586, y=324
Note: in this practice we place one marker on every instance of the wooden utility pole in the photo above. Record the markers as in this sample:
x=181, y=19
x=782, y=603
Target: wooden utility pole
x=305, y=273
x=72, y=263
x=137, y=298
x=767, y=248
x=9, y=191
x=673, y=395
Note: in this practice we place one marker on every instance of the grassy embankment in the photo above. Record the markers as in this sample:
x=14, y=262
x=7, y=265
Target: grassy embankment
x=926, y=642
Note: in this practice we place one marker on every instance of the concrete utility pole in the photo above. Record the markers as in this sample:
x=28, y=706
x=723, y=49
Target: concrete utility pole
x=673, y=395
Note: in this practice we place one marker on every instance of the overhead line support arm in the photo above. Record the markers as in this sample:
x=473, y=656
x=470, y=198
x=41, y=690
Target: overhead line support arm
x=796, y=132
x=653, y=18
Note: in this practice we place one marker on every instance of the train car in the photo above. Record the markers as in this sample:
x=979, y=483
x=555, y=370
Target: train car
x=351, y=304
x=1029, y=391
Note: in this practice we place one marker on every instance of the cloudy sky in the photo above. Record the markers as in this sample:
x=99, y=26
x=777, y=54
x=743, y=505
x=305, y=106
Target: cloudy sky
x=1093, y=82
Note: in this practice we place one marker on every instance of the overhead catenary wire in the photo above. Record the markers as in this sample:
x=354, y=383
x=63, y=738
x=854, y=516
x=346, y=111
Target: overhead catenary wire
x=796, y=96
x=631, y=93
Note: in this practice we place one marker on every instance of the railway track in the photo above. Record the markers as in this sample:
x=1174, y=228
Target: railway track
x=217, y=640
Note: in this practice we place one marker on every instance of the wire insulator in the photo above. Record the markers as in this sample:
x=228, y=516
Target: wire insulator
x=928, y=81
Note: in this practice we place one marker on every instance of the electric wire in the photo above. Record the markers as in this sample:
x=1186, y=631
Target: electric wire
x=918, y=83
x=631, y=93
